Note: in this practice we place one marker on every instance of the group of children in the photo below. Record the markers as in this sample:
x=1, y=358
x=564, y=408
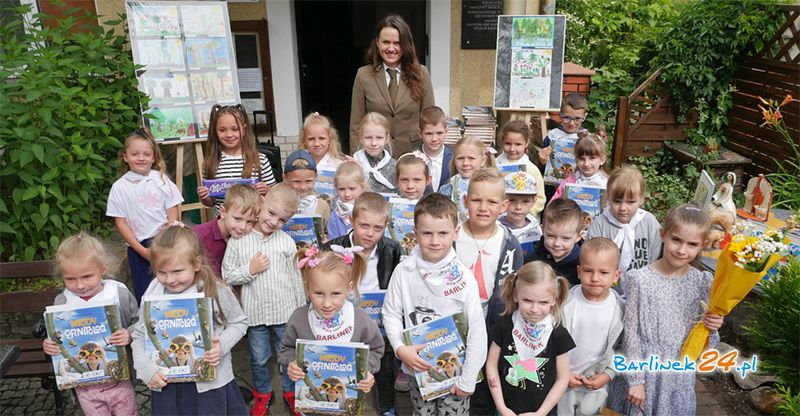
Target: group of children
x=543, y=326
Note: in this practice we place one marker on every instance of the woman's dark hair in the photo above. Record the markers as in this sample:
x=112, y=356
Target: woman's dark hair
x=412, y=70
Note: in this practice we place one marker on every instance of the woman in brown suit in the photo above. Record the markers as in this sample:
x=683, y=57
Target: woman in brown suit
x=377, y=87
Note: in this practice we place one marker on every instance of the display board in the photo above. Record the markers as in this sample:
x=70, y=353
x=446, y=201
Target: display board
x=186, y=48
x=529, y=63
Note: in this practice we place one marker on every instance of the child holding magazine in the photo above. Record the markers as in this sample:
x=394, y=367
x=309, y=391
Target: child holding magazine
x=528, y=364
x=81, y=262
x=232, y=153
x=328, y=278
x=300, y=173
x=433, y=282
x=469, y=155
x=181, y=267
x=516, y=140
x=349, y=183
x=590, y=158
x=369, y=219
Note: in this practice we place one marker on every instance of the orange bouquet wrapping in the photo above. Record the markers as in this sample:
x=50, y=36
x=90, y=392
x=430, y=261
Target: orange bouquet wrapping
x=741, y=265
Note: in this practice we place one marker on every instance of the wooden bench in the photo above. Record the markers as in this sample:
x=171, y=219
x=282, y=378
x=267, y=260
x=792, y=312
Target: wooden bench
x=32, y=361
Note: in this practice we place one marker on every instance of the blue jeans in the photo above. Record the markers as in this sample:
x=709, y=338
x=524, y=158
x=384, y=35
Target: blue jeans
x=261, y=340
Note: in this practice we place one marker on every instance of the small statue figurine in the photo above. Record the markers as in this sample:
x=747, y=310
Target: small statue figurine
x=722, y=210
x=723, y=198
x=757, y=199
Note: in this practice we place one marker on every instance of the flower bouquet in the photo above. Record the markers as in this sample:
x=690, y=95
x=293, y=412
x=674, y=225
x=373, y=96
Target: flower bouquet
x=742, y=264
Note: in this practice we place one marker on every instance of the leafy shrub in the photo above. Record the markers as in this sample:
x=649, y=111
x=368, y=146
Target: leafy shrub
x=615, y=38
x=669, y=183
x=700, y=51
x=66, y=99
x=775, y=325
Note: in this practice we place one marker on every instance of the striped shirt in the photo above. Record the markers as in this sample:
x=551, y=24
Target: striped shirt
x=230, y=167
x=269, y=297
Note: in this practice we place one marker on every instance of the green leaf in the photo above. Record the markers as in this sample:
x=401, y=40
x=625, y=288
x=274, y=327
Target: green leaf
x=56, y=220
x=38, y=151
x=30, y=193
x=45, y=114
x=6, y=228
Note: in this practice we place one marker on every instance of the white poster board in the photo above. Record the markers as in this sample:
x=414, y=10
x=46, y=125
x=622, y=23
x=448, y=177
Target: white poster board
x=186, y=48
x=529, y=62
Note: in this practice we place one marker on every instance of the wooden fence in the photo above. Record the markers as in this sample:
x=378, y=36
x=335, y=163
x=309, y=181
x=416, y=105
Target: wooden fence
x=771, y=73
x=645, y=120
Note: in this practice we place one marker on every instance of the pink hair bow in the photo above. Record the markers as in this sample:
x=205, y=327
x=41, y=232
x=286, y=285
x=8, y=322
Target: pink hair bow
x=176, y=223
x=491, y=150
x=309, y=258
x=346, y=253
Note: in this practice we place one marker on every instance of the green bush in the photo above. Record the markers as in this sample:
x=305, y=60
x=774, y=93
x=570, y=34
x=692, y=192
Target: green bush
x=66, y=99
x=700, y=52
x=775, y=326
x=669, y=183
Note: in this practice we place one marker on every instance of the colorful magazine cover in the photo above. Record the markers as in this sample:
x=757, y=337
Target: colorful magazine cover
x=217, y=188
x=305, y=230
x=401, y=223
x=445, y=349
x=588, y=197
x=178, y=331
x=333, y=371
x=82, y=335
x=324, y=184
x=507, y=168
x=372, y=303
x=561, y=163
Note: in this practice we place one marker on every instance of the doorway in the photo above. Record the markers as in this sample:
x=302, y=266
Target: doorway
x=332, y=40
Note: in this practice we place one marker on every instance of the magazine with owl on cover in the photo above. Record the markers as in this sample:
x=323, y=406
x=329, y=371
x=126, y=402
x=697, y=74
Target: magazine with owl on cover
x=332, y=372
x=178, y=331
x=82, y=333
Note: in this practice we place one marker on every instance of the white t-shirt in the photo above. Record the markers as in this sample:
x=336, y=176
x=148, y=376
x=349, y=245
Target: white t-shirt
x=590, y=325
x=467, y=249
x=143, y=202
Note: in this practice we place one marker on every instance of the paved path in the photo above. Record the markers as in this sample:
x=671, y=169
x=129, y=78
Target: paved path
x=24, y=396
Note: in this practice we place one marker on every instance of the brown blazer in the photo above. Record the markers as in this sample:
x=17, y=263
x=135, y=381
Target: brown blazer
x=371, y=94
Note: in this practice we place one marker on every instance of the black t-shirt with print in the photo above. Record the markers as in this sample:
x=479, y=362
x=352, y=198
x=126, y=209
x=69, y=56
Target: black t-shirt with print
x=524, y=390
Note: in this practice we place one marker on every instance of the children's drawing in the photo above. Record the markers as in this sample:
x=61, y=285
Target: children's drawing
x=204, y=20
x=533, y=32
x=530, y=78
x=208, y=52
x=160, y=54
x=172, y=123
x=153, y=20
x=165, y=88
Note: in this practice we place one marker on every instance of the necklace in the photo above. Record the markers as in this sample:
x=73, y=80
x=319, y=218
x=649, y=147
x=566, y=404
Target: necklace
x=474, y=240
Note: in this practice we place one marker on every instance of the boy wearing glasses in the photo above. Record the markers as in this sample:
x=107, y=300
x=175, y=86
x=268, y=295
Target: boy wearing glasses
x=573, y=113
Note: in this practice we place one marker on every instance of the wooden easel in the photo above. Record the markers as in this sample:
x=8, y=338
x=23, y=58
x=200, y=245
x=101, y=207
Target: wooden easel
x=179, y=154
x=505, y=115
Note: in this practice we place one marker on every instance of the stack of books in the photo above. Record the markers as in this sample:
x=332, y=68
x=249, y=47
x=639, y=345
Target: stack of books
x=454, y=129
x=479, y=122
